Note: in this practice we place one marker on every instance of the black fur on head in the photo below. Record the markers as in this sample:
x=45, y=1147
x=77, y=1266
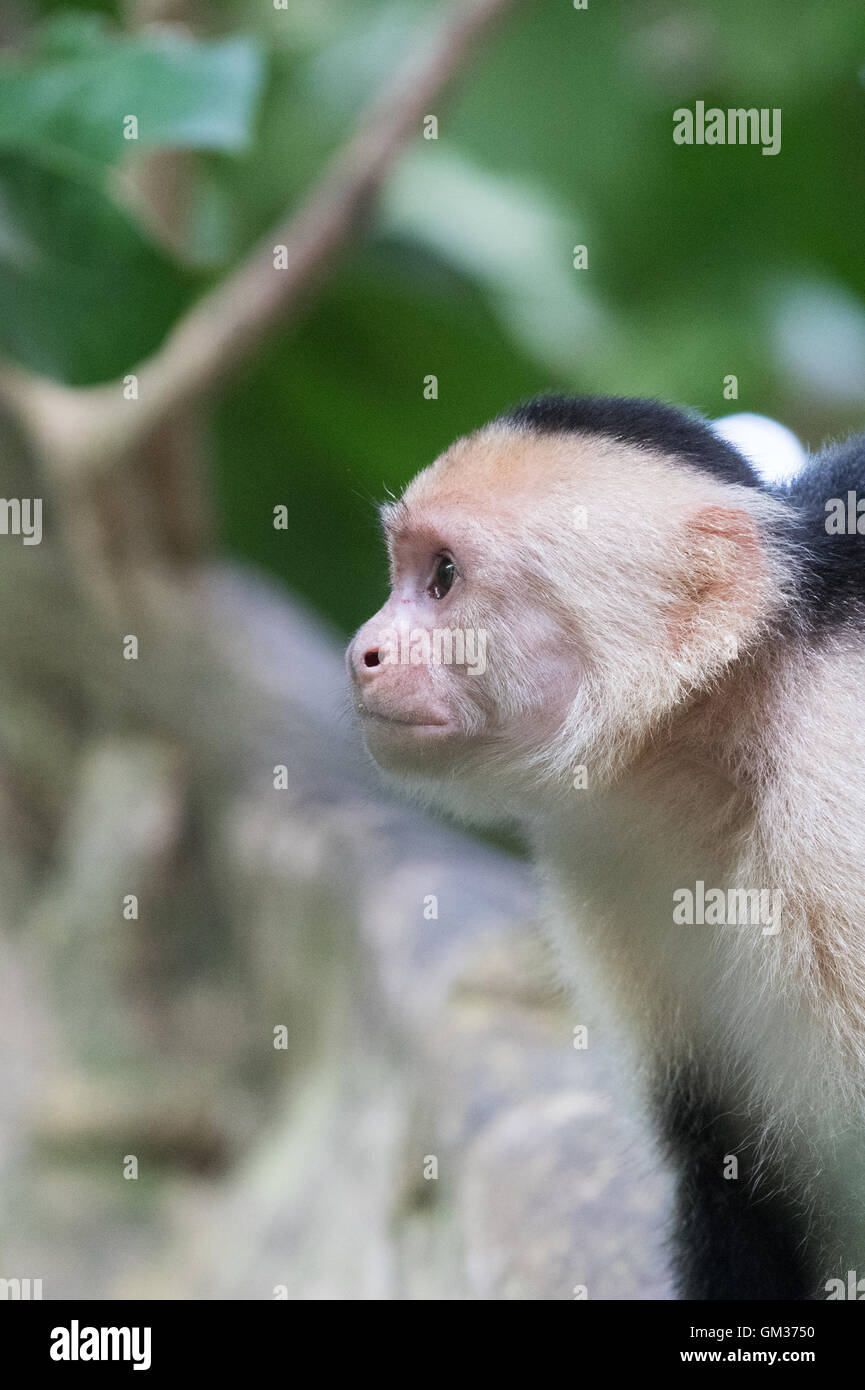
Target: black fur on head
x=648, y=424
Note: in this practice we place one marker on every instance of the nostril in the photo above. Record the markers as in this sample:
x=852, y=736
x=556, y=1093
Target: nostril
x=370, y=658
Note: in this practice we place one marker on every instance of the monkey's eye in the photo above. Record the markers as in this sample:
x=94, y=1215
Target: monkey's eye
x=443, y=578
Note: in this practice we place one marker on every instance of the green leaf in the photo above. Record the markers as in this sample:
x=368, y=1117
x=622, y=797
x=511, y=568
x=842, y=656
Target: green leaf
x=71, y=35
x=84, y=295
x=184, y=94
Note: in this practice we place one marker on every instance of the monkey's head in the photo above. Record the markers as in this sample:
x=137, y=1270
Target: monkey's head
x=563, y=582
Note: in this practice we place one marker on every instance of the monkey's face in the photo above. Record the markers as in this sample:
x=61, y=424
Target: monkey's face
x=462, y=664
x=553, y=600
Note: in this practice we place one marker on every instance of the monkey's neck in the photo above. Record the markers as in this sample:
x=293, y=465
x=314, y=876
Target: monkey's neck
x=699, y=778
x=688, y=810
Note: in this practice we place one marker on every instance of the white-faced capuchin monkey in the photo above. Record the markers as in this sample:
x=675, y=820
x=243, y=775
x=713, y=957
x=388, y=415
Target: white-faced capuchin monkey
x=605, y=628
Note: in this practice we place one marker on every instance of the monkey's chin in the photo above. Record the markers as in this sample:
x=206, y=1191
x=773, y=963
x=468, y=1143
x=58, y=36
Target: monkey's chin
x=403, y=745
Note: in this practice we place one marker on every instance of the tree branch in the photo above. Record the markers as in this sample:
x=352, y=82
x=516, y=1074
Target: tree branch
x=85, y=432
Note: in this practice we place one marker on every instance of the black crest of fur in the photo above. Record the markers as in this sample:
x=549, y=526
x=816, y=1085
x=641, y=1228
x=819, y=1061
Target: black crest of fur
x=648, y=424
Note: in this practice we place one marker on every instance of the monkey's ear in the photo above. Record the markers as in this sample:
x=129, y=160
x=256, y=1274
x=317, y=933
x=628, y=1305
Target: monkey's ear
x=723, y=584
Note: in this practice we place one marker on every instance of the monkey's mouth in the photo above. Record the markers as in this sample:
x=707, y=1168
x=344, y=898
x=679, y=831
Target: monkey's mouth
x=419, y=724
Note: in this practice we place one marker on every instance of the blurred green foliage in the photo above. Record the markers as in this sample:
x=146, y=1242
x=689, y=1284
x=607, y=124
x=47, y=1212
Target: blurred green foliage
x=702, y=261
